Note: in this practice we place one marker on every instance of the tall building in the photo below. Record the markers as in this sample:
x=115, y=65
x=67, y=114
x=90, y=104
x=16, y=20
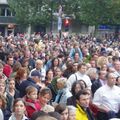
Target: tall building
x=7, y=19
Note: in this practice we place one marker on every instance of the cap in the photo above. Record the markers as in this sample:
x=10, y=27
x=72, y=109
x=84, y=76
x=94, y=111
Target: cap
x=36, y=73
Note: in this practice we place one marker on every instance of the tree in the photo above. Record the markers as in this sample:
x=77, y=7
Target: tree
x=31, y=11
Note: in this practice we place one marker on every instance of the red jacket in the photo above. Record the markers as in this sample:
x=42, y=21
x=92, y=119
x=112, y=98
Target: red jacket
x=7, y=70
x=31, y=106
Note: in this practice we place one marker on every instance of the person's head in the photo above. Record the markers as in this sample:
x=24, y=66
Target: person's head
x=35, y=75
x=19, y=107
x=93, y=63
x=31, y=92
x=92, y=73
x=21, y=74
x=49, y=74
x=3, y=102
x=57, y=72
x=63, y=110
x=10, y=60
x=111, y=79
x=55, y=62
x=118, y=81
x=38, y=64
x=83, y=98
x=2, y=87
x=71, y=112
x=102, y=74
x=11, y=83
x=117, y=65
x=38, y=114
x=76, y=86
x=83, y=84
x=16, y=66
x=75, y=66
x=45, y=96
x=61, y=83
x=55, y=115
x=82, y=68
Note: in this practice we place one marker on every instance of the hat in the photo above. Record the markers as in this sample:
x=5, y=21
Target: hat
x=36, y=73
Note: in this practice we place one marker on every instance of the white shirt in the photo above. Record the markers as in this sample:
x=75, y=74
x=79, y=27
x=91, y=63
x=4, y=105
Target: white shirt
x=108, y=97
x=79, y=76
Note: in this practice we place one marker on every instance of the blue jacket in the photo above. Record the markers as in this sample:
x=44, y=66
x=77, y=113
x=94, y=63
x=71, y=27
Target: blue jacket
x=25, y=84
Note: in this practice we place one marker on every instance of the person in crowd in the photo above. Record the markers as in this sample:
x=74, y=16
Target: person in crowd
x=80, y=74
x=7, y=70
x=58, y=72
x=83, y=111
x=40, y=115
x=44, y=97
x=63, y=110
x=76, y=87
x=18, y=110
x=49, y=77
x=11, y=88
x=116, y=65
x=99, y=82
x=21, y=75
x=71, y=112
x=34, y=80
x=31, y=101
x=107, y=99
x=39, y=67
x=55, y=63
x=55, y=115
x=92, y=73
x=63, y=92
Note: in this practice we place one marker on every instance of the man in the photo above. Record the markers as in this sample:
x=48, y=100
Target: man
x=79, y=75
x=82, y=111
x=116, y=65
x=99, y=82
x=31, y=81
x=107, y=99
x=7, y=70
x=39, y=67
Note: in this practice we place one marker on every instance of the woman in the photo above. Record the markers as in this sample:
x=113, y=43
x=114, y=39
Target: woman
x=18, y=110
x=11, y=88
x=49, y=77
x=63, y=110
x=77, y=86
x=21, y=75
x=63, y=91
x=44, y=97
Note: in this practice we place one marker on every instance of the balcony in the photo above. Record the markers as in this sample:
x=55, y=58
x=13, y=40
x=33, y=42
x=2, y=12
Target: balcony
x=7, y=20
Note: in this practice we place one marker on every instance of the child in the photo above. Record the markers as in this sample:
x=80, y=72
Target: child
x=31, y=101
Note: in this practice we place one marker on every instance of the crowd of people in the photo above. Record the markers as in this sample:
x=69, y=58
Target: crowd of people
x=74, y=78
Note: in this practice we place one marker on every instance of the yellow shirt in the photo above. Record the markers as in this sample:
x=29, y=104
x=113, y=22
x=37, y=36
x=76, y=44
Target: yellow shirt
x=80, y=114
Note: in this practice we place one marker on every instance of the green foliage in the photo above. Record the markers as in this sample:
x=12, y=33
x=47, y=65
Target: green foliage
x=31, y=11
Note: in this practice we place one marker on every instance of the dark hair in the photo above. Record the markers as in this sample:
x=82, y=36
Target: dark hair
x=45, y=91
x=81, y=92
x=60, y=108
x=17, y=100
x=55, y=115
x=74, y=86
x=117, y=78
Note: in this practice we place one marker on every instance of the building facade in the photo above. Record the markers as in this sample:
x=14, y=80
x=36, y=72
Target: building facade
x=7, y=19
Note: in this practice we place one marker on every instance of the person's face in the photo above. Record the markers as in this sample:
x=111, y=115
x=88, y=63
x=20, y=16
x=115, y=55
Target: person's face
x=50, y=74
x=64, y=114
x=111, y=80
x=77, y=88
x=77, y=56
x=117, y=65
x=10, y=61
x=83, y=69
x=33, y=95
x=39, y=65
x=72, y=115
x=12, y=84
x=102, y=75
x=58, y=72
x=19, y=108
x=44, y=99
x=55, y=62
x=93, y=64
x=84, y=100
x=2, y=88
